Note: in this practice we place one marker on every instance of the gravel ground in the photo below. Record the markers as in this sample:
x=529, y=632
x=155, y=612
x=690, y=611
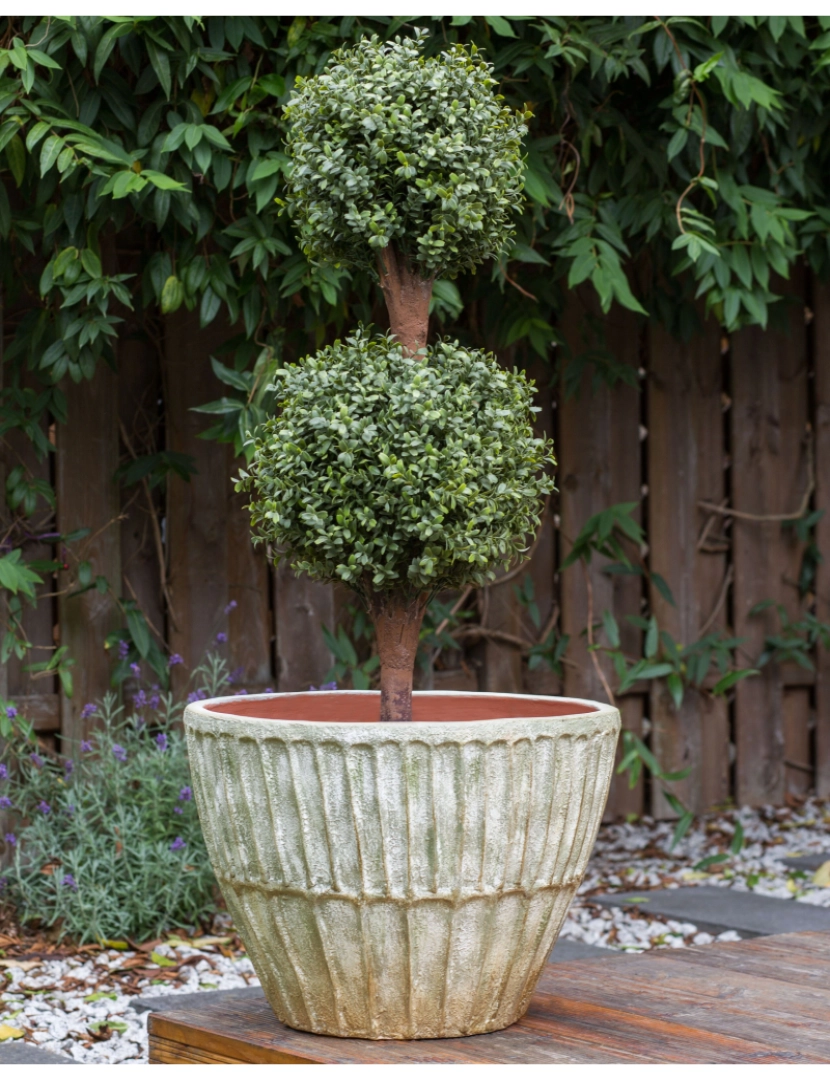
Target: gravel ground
x=76, y=1002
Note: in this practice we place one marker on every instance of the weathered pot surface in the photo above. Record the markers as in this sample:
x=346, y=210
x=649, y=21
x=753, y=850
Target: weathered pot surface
x=400, y=881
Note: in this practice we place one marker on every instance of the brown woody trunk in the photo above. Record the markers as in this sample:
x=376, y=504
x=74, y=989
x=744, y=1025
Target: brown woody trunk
x=407, y=297
x=397, y=626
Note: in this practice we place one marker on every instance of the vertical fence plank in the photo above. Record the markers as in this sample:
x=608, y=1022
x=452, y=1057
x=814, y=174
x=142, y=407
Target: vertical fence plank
x=87, y=496
x=769, y=475
x=140, y=419
x=542, y=567
x=197, y=537
x=249, y=585
x=798, y=772
x=686, y=464
x=302, y=608
x=821, y=344
x=211, y=558
x=600, y=465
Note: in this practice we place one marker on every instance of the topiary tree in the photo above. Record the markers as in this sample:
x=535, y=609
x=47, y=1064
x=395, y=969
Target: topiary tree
x=396, y=467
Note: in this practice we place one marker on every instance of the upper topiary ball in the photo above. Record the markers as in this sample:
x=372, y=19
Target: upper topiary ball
x=393, y=473
x=390, y=147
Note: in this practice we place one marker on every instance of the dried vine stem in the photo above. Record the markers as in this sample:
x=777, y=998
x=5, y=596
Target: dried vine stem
x=803, y=506
x=728, y=578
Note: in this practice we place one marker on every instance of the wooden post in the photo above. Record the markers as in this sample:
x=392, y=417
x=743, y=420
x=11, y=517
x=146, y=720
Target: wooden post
x=769, y=476
x=599, y=465
x=685, y=465
x=821, y=339
x=87, y=495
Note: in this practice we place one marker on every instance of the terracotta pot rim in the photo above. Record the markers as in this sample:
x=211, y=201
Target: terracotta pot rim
x=329, y=707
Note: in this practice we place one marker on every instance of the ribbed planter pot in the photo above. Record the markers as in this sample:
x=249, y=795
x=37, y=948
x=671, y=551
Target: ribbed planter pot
x=400, y=881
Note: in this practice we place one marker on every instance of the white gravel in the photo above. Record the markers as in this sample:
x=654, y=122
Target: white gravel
x=77, y=1006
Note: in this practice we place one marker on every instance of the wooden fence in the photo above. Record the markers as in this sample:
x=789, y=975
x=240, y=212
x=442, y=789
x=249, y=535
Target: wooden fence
x=719, y=439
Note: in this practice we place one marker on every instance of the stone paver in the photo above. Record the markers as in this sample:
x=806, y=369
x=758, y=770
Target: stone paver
x=807, y=862
x=21, y=1053
x=716, y=910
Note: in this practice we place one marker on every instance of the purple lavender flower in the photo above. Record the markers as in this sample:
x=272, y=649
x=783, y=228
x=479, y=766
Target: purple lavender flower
x=221, y=637
x=135, y=669
x=269, y=690
x=5, y=802
x=86, y=747
x=235, y=676
x=154, y=701
x=229, y=607
x=4, y=772
x=118, y=752
x=177, y=810
x=3, y=883
x=139, y=700
x=36, y=760
x=240, y=692
x=68, y=767
x=11, y=839
x=88, y=710
x=123, y=649
x=69, y=882
x=161, y=741
x=185, y=794
x=70, y=809
x=178, y=844
x=174, y=659
x=325, y=686
x=11, y=712
x=44, y=807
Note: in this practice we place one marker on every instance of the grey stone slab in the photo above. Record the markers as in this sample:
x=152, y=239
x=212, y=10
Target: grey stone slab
x=23, y=1053
x=169, y=1002
x=565, y=950
x=807, y=862
x=716, y=910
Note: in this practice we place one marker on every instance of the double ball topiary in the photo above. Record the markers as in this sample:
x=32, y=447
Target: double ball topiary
x=398, y=468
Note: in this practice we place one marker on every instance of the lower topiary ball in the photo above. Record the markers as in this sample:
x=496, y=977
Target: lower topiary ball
x=398, y=473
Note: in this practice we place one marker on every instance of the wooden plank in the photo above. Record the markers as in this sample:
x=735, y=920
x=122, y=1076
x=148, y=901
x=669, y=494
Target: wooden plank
x=196, y=527
x=797, y=758
x=212, y=561
x=543, y=564
x=685, y=465
x=714, y=1004
x=302, y=608
x=821, y=345
x=141, y=431
x=87, y=497
x=43, y=711
x=599, y=465
x=250, y=622
x=769, y=476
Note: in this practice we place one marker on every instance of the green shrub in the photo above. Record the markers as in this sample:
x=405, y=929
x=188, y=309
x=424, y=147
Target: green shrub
x=388, y=472
x=109, y=844
x=391, y=147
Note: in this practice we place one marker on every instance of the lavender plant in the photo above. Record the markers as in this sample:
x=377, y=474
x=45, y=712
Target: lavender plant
x=105, y=843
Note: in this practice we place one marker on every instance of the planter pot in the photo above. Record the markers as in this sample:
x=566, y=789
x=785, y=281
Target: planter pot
x=400, y=881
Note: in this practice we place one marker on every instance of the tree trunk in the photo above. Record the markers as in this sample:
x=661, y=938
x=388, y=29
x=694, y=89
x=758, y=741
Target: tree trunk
x=407, y=297
x=397, y=622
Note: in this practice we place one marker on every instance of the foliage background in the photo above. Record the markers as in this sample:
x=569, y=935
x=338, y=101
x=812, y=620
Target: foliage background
x=673, y=165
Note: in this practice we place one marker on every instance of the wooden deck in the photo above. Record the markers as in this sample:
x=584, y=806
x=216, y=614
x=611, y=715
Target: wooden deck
x=765, y=1000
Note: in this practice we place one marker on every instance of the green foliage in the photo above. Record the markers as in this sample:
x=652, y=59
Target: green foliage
x=390, y=473
x=106, y=842
x=390, y=147
x=796, y=640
